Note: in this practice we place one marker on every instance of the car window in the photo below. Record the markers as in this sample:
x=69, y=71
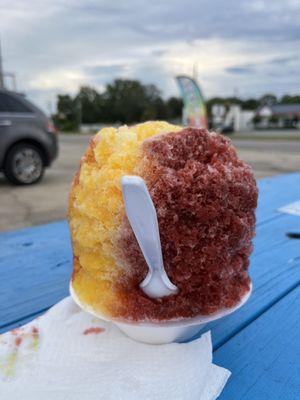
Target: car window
x=10, y=104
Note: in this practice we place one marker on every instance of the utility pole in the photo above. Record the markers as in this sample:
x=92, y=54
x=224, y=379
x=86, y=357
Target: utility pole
x=13, y=79
x=79, y=112
x=1, y=70
x=195, y=71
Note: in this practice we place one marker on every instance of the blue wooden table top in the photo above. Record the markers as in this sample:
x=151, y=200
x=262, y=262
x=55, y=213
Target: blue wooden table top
x=260, y=343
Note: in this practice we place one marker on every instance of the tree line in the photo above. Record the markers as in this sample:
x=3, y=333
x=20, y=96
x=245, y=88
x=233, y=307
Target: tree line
x=129, y=101
x=254, y=103
x=122, y=101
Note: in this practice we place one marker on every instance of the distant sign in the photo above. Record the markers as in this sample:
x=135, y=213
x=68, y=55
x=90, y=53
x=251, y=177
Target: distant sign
x=194, y=111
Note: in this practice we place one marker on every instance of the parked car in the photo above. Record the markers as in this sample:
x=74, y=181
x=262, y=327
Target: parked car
x=227, y=130
x=28, y=139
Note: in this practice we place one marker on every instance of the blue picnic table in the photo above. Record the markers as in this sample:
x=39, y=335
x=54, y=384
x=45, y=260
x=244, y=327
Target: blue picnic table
x=259, y=344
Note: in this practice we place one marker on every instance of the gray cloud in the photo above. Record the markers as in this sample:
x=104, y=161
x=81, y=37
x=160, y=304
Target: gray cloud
x=284, y=60
x=54, y=47
x=105, y=70
x=240, y=70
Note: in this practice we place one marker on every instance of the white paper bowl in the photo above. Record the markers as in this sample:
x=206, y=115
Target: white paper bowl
x=164, y=332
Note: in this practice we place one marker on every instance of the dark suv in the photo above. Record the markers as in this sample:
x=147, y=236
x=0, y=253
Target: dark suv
x=28, y=140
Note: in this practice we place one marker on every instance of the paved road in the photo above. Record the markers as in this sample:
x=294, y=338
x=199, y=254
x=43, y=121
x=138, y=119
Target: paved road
x=46, y=201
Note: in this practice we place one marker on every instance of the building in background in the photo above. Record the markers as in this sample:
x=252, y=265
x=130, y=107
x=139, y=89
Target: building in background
x=278, y=116
x=231, y=119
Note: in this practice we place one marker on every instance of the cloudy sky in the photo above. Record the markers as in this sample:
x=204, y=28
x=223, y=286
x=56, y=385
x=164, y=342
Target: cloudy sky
x=244, y=47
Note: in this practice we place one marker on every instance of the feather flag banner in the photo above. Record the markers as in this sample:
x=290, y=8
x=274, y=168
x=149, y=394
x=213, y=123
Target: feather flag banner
x=194, y=111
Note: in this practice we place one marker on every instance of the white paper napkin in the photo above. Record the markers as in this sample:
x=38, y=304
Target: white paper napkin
x=69, y=355
x=291, y=208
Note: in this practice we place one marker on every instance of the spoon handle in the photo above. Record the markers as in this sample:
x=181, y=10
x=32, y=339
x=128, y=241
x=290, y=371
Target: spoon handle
x=142, y=216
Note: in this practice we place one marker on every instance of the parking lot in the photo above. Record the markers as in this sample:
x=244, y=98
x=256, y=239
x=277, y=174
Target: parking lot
x=46, y=201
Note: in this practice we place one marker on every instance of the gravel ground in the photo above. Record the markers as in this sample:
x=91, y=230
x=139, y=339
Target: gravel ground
x=46, y=201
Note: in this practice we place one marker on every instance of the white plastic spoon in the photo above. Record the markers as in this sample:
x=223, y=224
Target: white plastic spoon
x=142, y=216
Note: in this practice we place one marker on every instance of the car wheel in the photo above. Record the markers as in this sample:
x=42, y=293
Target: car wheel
x=24, y=164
